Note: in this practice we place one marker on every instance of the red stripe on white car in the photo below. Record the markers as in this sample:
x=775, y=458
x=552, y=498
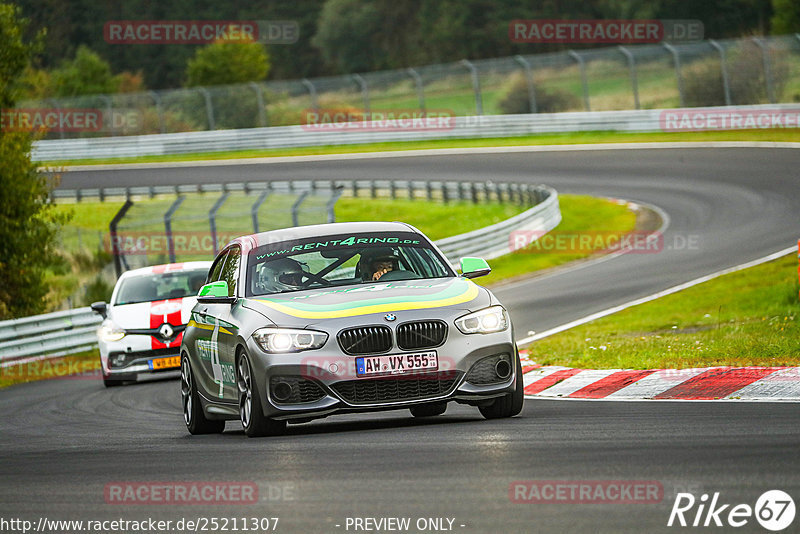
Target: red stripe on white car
x=157, y=318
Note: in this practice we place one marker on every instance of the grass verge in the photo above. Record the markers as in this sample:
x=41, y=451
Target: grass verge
x=774, y=135
x=739, y=319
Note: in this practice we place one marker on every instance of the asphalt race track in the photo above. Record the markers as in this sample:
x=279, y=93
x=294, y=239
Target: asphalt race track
x=63, y=441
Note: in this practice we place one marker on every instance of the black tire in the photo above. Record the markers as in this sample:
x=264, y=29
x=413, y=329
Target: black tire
x=428, y=410
x=508, y=405
x=193, y=416
x=251, y=408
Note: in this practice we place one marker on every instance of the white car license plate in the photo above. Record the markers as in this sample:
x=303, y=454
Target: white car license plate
x=394, y=364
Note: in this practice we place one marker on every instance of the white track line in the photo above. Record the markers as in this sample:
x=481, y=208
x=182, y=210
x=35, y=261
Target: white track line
x=654, y=296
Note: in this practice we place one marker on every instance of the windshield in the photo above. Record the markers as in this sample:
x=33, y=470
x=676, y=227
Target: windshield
x=150, y=287
x=342, y=260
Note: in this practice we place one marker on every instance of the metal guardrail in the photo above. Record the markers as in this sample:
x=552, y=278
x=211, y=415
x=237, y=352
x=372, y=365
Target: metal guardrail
x=52, y=334
x=495, y=240
x=67, y=332
x=646, y=120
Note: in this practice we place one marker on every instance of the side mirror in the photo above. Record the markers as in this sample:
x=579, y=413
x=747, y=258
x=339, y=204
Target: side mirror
x=100, y=308
x=474, y=267
x=215, y=292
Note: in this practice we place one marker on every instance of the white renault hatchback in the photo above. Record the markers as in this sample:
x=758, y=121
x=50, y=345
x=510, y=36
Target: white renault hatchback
x=143, y=324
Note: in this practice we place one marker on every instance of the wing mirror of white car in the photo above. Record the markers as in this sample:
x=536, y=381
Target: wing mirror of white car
x=215, y=293
x=100, y=308
x=474, y=267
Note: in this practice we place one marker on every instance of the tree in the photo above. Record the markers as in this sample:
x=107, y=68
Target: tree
x=86, y=74
x=786, y=17
x=28, y=227
x=224, y=63
x=346, y=33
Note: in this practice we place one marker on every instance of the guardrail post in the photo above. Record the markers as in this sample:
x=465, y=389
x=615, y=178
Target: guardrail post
x=526, y=66
x=262, y=110
x=584, y=81
x=212, y=219
x=255, y=207
x=498, y=192
x=445, y=197
x=476, y=85
x=336, y=192
x=392, y=190
x=767, y=69
x=209, y=107
x=410, y=186
x=159, y=110
x=312, y=91
x=634, y=80
x=168, y=226
x=676, y=57
x=723, y=65
x=473, y=192
x=373, y=189
x=296, y=208
x=112, y=233
x=355, y=188
x=429, y=191
x=362, y=83
x=420, y=88
x=486, y=191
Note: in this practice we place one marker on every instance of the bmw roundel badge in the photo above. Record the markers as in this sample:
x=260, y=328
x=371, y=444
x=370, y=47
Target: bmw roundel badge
x=390, y=317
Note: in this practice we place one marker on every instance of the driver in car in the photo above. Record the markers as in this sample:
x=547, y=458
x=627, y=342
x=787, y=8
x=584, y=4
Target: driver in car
x=282, y=275
x=378, y=261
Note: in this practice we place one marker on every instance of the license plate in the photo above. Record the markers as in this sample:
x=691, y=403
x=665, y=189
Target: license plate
x=395, y=364
x=165, y=363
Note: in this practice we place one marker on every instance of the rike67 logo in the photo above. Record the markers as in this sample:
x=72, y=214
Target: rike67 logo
x=774, y=510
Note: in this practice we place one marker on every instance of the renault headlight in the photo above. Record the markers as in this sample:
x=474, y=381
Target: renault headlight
x=289, y=340
x=109, y=331
x=485, y=321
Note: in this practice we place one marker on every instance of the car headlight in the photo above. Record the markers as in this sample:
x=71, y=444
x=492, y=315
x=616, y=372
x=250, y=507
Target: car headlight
x=289, y=340
x=485, y=321
x=109, y=331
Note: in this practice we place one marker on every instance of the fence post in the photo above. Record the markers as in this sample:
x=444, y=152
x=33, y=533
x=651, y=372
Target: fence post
x=312, y=91
x=634, y=79
x=526, y=66
x=445, y=197
x=254, y=209
x=168, y=226
x=362, y=83
x=410, y=186
x=159, y=110
x=112, y=231
x=584, y=81
x=420, y=88
x=336, y=192
x=476, y=85
x=262, y=111
x=209, y=107
x=57, y=107
x=723, y=66
x=767, y=69
x=296, y=208
x=212, y=219
x=109, y=111
x=678, y=78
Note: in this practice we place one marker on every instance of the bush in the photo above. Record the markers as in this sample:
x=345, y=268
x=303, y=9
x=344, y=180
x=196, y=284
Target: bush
x=702, y=80
x=516, y=99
